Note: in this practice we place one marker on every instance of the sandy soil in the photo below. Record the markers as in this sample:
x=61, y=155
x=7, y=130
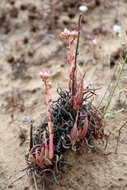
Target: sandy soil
x=29, y=43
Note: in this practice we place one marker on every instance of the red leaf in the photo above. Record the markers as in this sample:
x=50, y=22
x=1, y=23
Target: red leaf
x=85, y=129
x=74, y=131
x=38, y=161
x=75, y=106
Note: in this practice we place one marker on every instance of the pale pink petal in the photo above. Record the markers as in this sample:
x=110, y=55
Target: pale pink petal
x=44, y=75
x=74, y=33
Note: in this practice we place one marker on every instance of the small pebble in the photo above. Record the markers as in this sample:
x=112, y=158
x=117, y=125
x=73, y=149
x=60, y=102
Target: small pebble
x=26, y=120
x=10, y=186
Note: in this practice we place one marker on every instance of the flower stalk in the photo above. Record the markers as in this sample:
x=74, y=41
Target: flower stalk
x=44, y=76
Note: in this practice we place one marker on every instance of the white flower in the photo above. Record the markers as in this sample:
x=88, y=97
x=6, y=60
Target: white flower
x=94, y=41
x=83, y=8
x=66, y=32
x=44, y=75
x=116, y=28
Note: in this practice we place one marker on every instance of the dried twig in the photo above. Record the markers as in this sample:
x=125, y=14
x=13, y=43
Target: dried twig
x=118, y=139
x=17, y=179
x=43, y=183
x=76, y=54
x=107, y=138
x=31, y=134
x=35, y=181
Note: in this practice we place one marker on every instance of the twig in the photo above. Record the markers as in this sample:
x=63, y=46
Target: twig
x=35, y=181
x=107, y=153
x=22, y=170
x=17, y=179
x=76, y=54
x=106, y=137
x=31, y=136
x=55, y=177
x=43, y=183
x=118, y=139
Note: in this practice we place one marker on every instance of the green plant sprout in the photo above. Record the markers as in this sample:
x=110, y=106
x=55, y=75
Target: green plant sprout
x=114, y=87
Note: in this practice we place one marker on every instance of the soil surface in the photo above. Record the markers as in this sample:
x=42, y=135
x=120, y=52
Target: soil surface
x=28, y=44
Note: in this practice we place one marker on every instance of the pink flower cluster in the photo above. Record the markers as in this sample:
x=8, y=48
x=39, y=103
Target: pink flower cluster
x=67, y=34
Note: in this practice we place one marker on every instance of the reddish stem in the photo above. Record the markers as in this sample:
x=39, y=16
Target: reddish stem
x=46, y=146
x=50, y=125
